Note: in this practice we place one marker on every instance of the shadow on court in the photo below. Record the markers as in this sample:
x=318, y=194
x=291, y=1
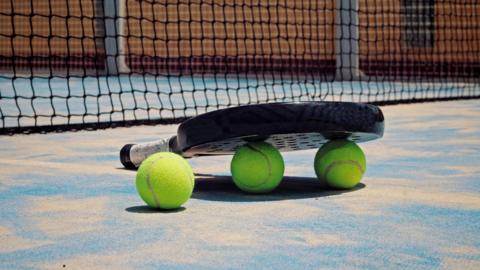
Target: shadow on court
x=222, y=188
x=144, y=209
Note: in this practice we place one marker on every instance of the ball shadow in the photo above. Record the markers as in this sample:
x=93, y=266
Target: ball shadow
x=143, y=209
x=222, y=188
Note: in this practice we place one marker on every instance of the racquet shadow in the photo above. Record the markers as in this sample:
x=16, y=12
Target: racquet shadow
x=222, y=188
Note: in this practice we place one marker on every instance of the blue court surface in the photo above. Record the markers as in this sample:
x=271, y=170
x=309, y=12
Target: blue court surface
x=68, y=204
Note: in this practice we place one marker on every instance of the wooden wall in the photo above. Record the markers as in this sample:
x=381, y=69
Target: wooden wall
x=236, y=35
x=456, y=39
x=58, y=33
x=233, y=34
x=457, y=32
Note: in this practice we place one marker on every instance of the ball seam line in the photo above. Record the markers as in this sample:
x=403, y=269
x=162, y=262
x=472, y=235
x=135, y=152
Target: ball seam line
x=338, y=162
x=149, y=184
x=269, y=167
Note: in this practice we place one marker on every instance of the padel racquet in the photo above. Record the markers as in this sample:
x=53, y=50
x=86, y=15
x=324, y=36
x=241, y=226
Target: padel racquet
x=287, y=126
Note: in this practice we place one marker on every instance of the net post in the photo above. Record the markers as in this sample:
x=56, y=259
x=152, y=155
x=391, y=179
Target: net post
x=115, y=20
x=347, y=41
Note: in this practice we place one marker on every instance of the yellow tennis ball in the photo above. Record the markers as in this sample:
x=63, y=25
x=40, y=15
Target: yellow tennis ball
x=340, y=164
x=257, y=167
x=165, y=180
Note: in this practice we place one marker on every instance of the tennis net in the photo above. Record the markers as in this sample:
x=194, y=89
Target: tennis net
x=71, y=64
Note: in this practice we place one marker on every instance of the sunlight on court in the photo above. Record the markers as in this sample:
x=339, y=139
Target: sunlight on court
x=66, y=200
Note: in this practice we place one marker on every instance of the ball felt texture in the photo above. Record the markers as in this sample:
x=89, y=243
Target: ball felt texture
x=340, y=164
x=165, y=180
x=257, y=167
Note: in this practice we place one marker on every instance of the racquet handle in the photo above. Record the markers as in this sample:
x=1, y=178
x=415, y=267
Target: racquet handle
x=132, y=155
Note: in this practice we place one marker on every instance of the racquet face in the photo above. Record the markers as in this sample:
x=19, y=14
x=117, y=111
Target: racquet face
x=287, y=126
x=282, y=142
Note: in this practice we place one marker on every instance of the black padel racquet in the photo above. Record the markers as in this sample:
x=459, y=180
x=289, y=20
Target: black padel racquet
x=287, y=126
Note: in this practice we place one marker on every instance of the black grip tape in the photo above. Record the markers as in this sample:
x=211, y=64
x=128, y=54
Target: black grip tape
x=125, y=157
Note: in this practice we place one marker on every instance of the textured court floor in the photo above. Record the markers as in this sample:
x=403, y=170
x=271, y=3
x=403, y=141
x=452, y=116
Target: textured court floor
x=67, y=204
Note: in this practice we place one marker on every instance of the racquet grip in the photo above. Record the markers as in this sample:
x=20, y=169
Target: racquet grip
x=132, y=155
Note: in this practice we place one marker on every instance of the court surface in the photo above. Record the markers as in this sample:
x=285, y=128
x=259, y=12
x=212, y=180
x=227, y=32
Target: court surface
x=68, y=204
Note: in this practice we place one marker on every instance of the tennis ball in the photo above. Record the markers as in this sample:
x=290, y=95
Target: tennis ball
x=340, y=164
x=165, y=180
x=257, y=167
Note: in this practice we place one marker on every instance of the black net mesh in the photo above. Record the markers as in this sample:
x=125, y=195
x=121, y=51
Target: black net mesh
x=71, y=64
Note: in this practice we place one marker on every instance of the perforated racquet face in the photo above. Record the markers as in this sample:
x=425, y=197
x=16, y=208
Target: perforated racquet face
x=287, y=126
x=283, y=142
